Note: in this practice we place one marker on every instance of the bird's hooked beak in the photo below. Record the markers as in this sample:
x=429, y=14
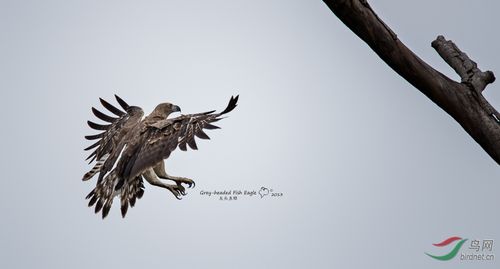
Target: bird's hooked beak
x=176, y=109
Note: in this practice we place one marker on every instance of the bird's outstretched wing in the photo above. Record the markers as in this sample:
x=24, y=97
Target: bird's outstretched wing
x=107, y=149
x=161, y=138
x=109, y=141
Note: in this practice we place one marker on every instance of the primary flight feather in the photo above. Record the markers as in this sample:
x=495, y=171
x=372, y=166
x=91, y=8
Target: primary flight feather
x=132, y=148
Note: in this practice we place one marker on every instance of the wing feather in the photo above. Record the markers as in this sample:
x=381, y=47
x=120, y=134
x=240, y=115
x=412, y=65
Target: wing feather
x=103, y=116
x=93, y=145
x=202, y=135
x=93, y=154
x=192, y=143
x=92, y=158
x=111, y=108
x=94, y=137
x=122, y=103
x=210, y=126
x=112, y=139
x=182, y=146
x=96, y=126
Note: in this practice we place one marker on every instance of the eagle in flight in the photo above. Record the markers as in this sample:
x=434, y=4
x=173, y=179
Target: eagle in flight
x=133, y=148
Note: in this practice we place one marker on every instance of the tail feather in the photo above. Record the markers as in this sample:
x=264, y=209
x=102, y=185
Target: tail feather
x=130, y=192
x=107, y=207
x=103, y=194
x=124, y=199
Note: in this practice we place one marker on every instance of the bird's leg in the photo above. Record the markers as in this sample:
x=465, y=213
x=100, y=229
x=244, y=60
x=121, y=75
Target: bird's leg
x=177, y=191
x=179, y=180
x=159, y=169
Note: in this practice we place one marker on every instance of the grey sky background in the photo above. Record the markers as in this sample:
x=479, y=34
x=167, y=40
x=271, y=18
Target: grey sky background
x=372, y=171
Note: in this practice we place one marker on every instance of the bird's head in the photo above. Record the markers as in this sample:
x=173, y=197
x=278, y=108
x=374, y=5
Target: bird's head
x=165, y=109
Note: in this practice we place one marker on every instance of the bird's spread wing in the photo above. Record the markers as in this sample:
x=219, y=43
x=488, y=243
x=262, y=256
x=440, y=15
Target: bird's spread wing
x=161, y=138
x=110, y=142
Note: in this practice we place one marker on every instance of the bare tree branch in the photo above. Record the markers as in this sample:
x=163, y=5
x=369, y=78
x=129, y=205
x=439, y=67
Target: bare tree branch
x=460, y=62
x=461, y=100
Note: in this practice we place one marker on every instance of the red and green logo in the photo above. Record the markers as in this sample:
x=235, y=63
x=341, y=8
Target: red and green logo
x=459, y=242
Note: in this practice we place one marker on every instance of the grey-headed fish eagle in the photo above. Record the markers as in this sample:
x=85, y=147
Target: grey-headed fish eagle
x=132, y=148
